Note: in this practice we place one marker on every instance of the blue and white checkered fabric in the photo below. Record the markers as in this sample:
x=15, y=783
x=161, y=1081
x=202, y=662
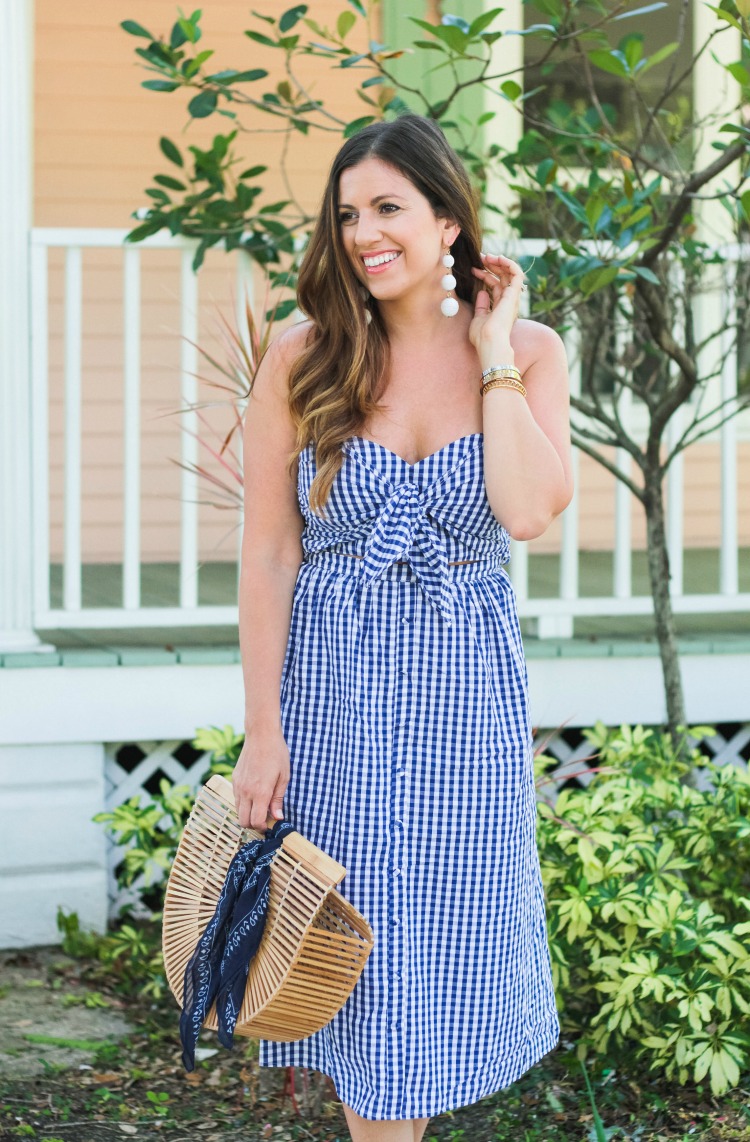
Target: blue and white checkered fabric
x=404, y=706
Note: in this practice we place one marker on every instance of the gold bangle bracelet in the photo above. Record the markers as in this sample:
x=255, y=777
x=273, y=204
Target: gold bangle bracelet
x=504, y=383
x=500, y=368
x=501, y=373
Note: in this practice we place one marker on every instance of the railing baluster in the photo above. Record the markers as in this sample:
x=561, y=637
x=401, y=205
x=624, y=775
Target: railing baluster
x=189, y=426
x=623, y=558
x=729, y=550
x=40, y=420
x=131, y=556
x=569, y=556
x=245, y=293
x=676, y=507
x=72, y=431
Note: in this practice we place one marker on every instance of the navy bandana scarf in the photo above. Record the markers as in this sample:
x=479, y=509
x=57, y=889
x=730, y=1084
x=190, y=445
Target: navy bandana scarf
x=219, y=966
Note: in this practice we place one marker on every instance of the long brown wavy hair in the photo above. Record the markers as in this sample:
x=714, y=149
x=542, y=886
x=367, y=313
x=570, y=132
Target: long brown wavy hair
x=335, y=382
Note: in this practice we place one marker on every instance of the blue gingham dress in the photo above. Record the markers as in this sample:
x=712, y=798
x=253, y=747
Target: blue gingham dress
x=404, y=706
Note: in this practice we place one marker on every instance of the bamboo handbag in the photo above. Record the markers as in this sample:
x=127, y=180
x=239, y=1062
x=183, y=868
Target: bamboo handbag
x=314, y=944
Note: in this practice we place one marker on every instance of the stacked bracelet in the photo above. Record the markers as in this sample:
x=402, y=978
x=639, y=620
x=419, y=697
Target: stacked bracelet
x=502, y=377
x=503, y=383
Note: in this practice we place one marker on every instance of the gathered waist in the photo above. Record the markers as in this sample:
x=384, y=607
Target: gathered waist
x=348, y=562
x=353, y=555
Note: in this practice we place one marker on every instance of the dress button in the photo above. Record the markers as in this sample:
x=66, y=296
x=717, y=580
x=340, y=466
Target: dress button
x=397, y=872
x=400, y=771
x=397, y=974
x=406, y=620
x=396, y=1026
x=399, y=824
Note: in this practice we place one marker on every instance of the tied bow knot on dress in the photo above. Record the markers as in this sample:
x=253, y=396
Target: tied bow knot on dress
x=219, y=966
x=402, y=523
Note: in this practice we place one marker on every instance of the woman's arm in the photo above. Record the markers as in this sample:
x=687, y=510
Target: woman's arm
x=528, y=471
x=270, y=561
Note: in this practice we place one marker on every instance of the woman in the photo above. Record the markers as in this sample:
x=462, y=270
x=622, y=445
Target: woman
x=387, y=714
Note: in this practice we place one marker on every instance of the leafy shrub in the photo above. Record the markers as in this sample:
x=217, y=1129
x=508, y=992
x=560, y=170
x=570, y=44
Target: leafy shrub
x=647, y=880
x=648, y=897
x=148, y=832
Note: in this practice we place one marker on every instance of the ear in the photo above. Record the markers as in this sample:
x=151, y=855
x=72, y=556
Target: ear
x=451, y=230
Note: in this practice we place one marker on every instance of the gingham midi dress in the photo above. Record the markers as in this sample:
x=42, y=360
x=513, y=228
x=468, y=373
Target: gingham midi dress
x=404, y=707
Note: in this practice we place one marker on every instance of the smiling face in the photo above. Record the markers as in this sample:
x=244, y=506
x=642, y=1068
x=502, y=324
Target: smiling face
x=389, y=231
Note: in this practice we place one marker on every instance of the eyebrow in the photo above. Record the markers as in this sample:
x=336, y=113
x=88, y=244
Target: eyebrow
x=373, y=201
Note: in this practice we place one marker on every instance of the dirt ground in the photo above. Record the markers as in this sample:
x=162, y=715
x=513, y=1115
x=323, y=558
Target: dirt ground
x=39, y=1000
x=83, y=1060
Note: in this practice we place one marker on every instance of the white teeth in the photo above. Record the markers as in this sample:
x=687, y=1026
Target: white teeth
x=380, y=259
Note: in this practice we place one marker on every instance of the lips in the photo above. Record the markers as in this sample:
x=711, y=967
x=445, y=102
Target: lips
x=388, y=258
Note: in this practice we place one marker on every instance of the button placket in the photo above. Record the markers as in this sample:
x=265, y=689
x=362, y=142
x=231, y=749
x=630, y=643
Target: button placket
x=404, y=636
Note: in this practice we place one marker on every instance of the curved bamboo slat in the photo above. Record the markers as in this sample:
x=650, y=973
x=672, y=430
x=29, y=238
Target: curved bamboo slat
x=315, y=942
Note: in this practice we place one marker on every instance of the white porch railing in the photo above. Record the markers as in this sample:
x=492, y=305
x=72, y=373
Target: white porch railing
x=554, y=616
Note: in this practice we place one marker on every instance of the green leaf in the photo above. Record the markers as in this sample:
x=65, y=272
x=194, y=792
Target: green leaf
x=177, y=36
x=608, y=61
x=745, y=203
x=357, y=125
x=190, y=29
x=546, y=171
x=722, y=14
x=291, y=17
x=353, y=59
x=598, y=278
x=739, y=72
x=169, y=182
x=170, y=151
x=143, y=231
x=232, y=76
x=134, y=29
x=358, y=7
x=641, y=11
x=373, y=80
x=345, y=23
x=259, y=38
x=511, y=90
x=159, y=85
x=647, y=274
x=203, y=104
x=283, y=309
x=662, y=54
x=253, y=172
x=484, y=21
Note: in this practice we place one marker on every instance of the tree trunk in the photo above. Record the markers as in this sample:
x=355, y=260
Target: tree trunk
x=658, y=569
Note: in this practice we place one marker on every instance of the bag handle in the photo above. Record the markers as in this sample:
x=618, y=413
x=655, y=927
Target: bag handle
x=322, y=867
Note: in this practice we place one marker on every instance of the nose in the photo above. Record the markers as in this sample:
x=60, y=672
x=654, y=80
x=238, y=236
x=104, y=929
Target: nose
x=368, y=229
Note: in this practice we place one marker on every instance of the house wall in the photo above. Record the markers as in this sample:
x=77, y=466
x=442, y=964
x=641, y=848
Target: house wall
x=96, y=150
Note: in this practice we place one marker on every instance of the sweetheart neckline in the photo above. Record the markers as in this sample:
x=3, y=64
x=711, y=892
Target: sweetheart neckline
x=432, y=455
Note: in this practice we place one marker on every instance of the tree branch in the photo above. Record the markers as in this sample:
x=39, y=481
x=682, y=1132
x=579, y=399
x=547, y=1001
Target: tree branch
x=681, y=207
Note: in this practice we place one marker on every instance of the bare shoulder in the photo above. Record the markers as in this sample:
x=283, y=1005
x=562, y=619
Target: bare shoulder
x=282, y=352
x=533, y=342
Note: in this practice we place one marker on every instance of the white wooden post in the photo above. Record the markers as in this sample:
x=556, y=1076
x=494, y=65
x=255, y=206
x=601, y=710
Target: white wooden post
x=16, y=423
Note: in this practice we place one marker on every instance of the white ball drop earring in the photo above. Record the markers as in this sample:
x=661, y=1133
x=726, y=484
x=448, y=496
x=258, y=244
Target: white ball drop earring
x=449, y=305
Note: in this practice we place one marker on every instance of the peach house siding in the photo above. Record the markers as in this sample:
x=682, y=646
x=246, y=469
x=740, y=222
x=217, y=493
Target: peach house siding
x=96, y=148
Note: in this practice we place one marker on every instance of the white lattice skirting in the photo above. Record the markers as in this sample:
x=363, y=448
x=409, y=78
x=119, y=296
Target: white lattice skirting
x=136, y=768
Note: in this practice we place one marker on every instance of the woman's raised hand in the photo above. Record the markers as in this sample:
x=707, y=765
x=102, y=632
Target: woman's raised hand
x=260, y=777
x=503, y=282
